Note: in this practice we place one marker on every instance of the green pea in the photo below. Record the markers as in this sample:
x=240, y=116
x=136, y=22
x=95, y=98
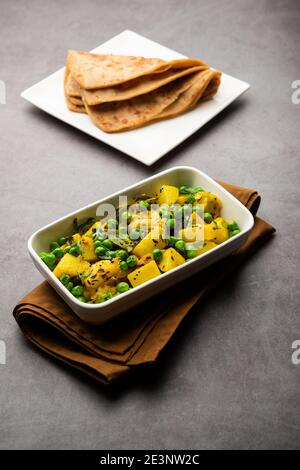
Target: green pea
x=53, y=245
x=111, y=254
x=123, y=266
x=197, y=209
x=157, y=254
x=108, y=244
x=104, y=297
x=164, y=213
x=232, y=226
x=69, y=285
x=98, y=236
x=134, y=234
x=191, y=254
x=61, y=240
x=208, y=218
x=190, y=199
x=49, y=259
x=172, y=240
x=97, y=243
x=122, y=254
x=81, y=298
x=64, y=278
x=100, y=251
x=58, y=253
x=234, y=232
x=43, y=253
x=126, y=216
x=75, y=250
x=143, y=204
x=131, y=261
x=170, y=224
x=77, y=291
x=180, y=245
x=122, y=287
x=112, y=223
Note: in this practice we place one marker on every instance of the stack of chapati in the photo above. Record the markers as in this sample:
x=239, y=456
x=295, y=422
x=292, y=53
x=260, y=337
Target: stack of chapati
x=125, y=92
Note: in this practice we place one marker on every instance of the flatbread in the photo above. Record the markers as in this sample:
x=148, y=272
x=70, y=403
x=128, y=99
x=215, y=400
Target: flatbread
x=129, y=114
x=203, y=84
x=74, y=104
x=102, y=70
x=72, y=87
x=76, y=108
x=137, y=86
x=92, y=71
x=186, y=62
x=77, y=101
x=124, y=92
x=212, y=88
x=70, y=96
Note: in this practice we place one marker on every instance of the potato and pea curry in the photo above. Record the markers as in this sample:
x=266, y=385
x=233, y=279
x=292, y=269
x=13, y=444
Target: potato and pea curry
x=107, y=257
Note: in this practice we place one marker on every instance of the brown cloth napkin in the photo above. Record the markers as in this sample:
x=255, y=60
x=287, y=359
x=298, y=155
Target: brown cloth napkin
x=137, y=337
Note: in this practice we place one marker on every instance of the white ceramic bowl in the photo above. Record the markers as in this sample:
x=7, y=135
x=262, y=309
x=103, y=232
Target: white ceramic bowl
x=100, y=313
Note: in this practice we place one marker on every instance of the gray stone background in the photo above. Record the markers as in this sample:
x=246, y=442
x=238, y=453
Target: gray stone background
x=226, y=380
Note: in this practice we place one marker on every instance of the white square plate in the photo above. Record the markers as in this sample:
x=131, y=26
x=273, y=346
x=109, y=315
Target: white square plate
x=148, y=143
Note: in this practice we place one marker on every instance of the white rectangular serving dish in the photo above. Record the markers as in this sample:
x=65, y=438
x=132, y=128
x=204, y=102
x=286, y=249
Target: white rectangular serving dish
x=146, y=144
x=100, y=313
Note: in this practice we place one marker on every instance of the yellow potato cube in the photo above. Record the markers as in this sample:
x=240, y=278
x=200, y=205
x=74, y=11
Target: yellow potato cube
x=221, y=222
x=145, y=221
x=71, y=265
x=192, y=234
x=145, y=259
x=148, y=244
x=170, y=260
x=88, y=250
x=103, y=272
x=196, y=219
x=206, y=247
x=216, y=232
x=92, y=229
x=143, y=274
x=168, y=194
x=211, y=203
x=76, y=238
x=182, y=199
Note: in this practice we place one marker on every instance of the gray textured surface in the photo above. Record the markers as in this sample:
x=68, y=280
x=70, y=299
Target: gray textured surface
x=227, y=380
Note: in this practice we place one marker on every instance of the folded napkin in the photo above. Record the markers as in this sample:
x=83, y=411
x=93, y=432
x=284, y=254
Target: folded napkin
x=109, y=351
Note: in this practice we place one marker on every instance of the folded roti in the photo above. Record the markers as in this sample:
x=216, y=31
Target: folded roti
x=102, y=70
x=130, y=114
x=137, y=86
x=186, y=62
x=72, y=87
x=75, y=108
x=93, y=71
x=123, y=92
x=212, y=88
x=77, y=101
x=203, y=86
